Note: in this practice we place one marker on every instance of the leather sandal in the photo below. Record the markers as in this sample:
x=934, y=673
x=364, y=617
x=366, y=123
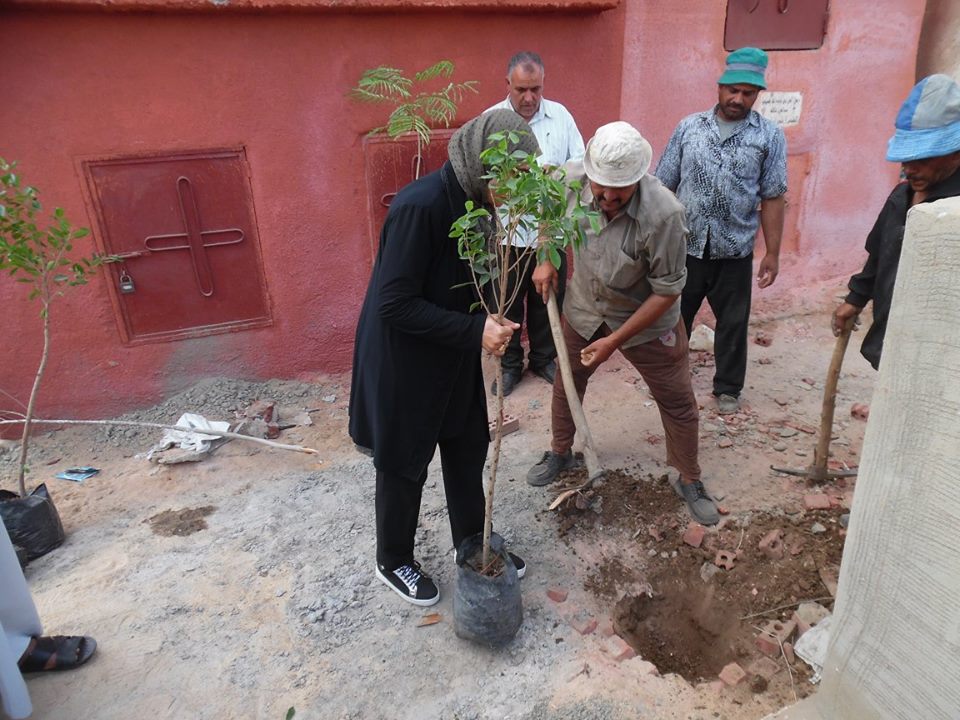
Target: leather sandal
x=56, y=652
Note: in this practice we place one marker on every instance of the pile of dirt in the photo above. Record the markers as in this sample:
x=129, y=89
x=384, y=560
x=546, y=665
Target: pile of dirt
x=692, y=616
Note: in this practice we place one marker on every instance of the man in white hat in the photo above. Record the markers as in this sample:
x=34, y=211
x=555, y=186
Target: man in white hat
x=927, y=144
x=624, y=295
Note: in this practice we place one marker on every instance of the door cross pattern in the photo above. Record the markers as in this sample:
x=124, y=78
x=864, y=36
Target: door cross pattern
x=197, y=239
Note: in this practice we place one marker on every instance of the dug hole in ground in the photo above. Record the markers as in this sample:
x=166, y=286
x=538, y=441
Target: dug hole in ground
x=243, y=585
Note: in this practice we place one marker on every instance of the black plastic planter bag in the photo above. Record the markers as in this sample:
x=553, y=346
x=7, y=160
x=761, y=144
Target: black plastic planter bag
x=486, y=610
x=32, y=522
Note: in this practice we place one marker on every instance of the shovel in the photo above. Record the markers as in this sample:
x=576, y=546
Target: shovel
x=818, y=470
x=594, y=469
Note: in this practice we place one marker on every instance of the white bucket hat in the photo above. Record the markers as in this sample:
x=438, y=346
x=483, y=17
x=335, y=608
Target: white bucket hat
x=617, y=155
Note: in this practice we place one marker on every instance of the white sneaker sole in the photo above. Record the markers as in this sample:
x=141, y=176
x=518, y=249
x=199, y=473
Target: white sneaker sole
x=412, y=600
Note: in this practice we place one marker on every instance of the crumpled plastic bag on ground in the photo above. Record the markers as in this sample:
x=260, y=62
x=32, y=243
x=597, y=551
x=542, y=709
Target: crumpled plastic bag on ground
x=812, y=647
x=193, y=439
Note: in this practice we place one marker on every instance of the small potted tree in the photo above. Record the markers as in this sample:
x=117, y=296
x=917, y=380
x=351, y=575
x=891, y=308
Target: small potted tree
x=41, y=258
x=528, y=198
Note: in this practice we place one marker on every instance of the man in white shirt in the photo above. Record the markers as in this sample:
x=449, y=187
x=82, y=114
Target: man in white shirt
x=560, y=141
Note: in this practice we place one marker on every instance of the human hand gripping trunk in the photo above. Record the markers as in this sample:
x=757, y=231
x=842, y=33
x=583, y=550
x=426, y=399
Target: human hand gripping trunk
x=497, y=332
x=771, y=220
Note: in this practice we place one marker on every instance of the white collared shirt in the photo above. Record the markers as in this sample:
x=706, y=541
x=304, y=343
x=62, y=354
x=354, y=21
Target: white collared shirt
x=556, y=133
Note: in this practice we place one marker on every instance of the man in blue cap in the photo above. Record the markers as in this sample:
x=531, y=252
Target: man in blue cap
x=724, y=164
x=927, y=143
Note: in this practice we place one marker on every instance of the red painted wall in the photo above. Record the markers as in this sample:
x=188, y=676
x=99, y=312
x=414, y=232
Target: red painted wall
x=852, y=89
x=94, y=84
x=97, y=84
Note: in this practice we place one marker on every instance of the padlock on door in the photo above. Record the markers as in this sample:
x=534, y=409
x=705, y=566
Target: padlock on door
x=126, y=283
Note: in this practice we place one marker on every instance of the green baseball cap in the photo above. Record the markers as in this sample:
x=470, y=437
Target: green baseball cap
x=745, y=66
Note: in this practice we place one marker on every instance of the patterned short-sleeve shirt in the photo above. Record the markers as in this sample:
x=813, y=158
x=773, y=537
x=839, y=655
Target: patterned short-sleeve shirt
x=721, y=182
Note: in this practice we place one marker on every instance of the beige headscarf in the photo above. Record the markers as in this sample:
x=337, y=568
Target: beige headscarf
x=469, y=141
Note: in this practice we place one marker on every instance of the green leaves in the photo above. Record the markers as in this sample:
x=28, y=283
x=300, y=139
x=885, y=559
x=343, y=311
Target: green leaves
x=34, y=255
x=416, y=109
x=532, y=203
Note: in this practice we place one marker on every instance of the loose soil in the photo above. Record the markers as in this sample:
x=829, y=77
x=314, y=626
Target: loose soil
x=275, y=604
x=692, y=617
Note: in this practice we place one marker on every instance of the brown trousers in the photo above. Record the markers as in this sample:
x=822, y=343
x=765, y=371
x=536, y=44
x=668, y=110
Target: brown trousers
x=665, y=370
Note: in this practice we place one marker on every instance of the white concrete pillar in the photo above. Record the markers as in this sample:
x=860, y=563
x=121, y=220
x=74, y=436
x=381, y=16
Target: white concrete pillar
x=895, y=648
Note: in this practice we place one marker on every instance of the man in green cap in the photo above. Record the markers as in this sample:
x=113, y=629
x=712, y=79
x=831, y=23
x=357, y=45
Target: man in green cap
x=724, y=164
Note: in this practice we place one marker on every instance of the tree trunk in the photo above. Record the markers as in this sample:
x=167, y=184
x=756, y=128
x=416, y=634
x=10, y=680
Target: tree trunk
x=28, y=418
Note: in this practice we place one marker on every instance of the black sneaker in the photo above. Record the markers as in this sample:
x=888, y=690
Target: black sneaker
x=510, y=381
x=410, y=583
x=702, y=508
x=550, y=465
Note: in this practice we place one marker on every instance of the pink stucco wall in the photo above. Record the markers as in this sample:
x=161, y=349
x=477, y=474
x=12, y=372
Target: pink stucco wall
x=96, y=83
x=852, y=88
x=99, y=84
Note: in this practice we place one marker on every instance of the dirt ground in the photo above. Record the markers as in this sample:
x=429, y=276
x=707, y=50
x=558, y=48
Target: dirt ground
x=243, y=585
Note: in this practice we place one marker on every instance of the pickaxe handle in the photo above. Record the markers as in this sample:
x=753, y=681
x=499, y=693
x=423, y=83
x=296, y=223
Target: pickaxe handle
x=822, y=453
x=594, y=470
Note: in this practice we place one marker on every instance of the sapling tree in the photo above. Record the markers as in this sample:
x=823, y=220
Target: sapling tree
x=42, y=259
x=417, y=108
x=530, y=199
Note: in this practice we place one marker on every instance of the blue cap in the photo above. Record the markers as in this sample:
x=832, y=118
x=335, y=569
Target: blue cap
x=928, y=124
x=745, y=66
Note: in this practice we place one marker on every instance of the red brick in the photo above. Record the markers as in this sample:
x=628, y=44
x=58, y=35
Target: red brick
x=556, y=594
x=774, y=630
x=694, y=534
x=733, y=675
x=788, y=652
x=772, y=544
x=585, y=627
x=511, y=423
x=816, y=501
x=618, y=648
x=606, y=628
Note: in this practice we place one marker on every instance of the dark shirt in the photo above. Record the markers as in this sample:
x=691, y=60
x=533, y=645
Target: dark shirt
x=416, y=365
x=876, y=280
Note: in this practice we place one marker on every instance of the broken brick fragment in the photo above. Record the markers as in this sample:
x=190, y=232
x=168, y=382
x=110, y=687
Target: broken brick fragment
x=772, y=544
x=816, y=501
x=558, y=595
x=693, y=535
x=725, y=559
x=732, y=675
x=618, y=648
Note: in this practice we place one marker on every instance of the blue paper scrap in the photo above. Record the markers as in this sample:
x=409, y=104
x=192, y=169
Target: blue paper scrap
x=77, y=474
